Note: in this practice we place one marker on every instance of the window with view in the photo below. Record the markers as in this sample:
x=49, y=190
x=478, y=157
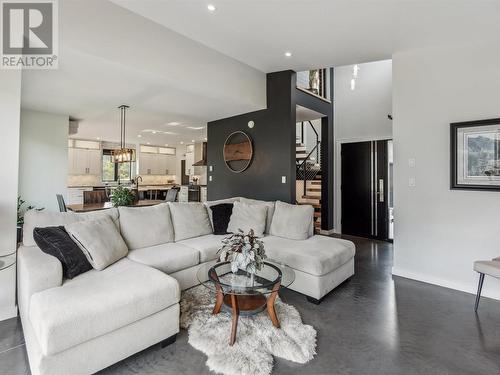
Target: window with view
x=112, y=171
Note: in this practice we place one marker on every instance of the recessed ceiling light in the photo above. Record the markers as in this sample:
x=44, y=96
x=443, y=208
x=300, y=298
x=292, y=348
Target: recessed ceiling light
x=192, y=140
x=196, y=127
x=98, y=138
x=288, y=54
x=154, y=132
x=166, y=144
x=173, y=123
x=206, y=139
x=149, y=143
x=211, y=7
x=139, y=136
x=181, y=142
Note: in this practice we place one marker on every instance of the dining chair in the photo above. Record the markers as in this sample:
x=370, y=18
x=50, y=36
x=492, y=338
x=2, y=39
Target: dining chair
x=95, y=196
x=61, y=203
x=171, y=195
x=485, y=267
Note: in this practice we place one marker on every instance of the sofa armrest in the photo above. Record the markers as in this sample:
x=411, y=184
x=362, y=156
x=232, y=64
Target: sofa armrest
x=36, y=271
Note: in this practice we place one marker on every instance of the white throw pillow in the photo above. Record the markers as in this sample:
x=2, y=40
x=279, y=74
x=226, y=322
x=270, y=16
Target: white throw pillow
x=99, y=214
x=270, y=210
x=292, y=221
x=189, y=220
x=99, y=240
x=248, y=216
x=146, y=226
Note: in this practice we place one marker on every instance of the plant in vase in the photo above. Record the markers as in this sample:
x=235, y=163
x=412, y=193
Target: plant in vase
x=244, y=251
x=20, y=216
x=122, y=196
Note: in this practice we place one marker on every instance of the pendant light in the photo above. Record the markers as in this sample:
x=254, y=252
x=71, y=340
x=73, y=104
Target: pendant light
x=123, y=154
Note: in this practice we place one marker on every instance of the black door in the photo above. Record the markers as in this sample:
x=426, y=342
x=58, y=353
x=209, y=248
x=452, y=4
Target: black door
x=364, y=189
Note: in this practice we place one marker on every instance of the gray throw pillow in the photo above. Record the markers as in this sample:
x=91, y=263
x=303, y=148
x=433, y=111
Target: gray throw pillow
x=99, y=240
x=292, y=221
x=270, y=210
x=189, y=220
x=248, y=216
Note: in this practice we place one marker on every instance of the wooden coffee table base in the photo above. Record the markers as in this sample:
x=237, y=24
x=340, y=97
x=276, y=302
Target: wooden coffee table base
x=249, y=304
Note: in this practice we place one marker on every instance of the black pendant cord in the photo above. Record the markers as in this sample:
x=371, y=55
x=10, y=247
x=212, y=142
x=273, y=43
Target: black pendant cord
x=124, y=113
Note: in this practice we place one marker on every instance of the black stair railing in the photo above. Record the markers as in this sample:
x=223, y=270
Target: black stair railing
x=306, y=170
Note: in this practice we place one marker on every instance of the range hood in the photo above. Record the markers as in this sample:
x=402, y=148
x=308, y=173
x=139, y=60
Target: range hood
x=203, y=161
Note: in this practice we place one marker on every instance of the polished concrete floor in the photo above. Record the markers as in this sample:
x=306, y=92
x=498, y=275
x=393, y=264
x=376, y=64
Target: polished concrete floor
x=374, y=324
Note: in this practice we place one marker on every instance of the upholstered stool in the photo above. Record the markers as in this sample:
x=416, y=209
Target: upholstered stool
x=485, y=267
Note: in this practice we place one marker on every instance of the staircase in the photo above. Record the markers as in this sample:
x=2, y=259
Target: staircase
x=311, y=176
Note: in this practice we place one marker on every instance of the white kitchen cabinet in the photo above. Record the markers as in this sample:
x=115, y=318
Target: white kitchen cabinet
x=75, y=195
x=160, y=165
x=171, y=165
x=189, y=163
x=82, y=161
x=146, y=163
x=183, y=194
x=203, y=194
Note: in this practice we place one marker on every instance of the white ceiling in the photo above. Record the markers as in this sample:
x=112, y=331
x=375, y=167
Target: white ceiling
x=174, y=61
x=111, y=56
x=323, y=33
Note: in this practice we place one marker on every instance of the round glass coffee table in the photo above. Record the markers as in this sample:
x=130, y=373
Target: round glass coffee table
x=243, y=293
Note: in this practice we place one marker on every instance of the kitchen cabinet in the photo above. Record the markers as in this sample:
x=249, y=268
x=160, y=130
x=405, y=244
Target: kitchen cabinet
x=75, y=195
x=156, y=164
x=82, y=161
x=189, y=163
x=183, y=196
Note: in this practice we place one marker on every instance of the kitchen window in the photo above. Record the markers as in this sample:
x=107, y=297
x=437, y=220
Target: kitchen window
x=114, y=172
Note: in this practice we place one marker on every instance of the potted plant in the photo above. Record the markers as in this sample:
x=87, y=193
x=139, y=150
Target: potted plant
x=122, y=196
x=314, y=81
x=20, y=217
x=244, y=251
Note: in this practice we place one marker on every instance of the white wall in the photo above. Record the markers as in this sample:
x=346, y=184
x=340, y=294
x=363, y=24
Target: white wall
x=10, y=104
x=439, y=232
x=43, y=158
x=360, y=114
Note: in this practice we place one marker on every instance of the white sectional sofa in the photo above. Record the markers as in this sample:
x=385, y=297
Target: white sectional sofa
x=98, y=318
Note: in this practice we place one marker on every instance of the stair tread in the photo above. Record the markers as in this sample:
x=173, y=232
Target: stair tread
x=315, y=197
x=317, y=214
x=313, y=189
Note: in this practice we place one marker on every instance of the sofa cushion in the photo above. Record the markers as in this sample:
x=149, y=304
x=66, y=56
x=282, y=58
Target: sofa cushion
x=270, y=210
x=246, y=217
x=57, y=242
x=189, y=220
x=99, y=240
x=318, y=255
x=96, y=303
x=146, y=226
x=168, y=257
x=207, y=246
x=292, y=221
x=45, y=218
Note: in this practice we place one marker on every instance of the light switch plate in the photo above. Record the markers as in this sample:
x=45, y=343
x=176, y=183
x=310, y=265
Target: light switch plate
x=210, y=168
x=412, y=182
x=283, y=179
x=411, y=162
x=209, y=178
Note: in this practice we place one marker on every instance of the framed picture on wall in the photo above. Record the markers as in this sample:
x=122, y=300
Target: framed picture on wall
x=475, y=155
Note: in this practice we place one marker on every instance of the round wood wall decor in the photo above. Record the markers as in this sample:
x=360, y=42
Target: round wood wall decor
x=238, y=151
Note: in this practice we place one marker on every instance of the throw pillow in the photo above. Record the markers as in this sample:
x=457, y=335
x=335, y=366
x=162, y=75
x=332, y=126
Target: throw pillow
x=270, y=210
x=246, y=217
x=292, y=221
x=42, y=219
x=56, y=241
x=189, y=220
x=146, y=226
x=99, y=240
x=221, y=214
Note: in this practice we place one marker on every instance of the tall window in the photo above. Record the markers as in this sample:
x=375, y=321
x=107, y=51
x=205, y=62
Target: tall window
x=112, y=171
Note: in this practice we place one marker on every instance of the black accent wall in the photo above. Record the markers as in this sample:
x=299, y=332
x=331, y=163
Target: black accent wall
x=273, y=138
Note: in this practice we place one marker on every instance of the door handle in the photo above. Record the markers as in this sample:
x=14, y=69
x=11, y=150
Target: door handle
x=381, y=190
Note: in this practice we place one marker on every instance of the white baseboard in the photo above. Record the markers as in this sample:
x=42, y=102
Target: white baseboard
x=442, y=282
x=8, y=313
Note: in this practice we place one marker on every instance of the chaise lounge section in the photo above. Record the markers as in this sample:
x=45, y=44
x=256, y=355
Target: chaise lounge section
x=98, y=318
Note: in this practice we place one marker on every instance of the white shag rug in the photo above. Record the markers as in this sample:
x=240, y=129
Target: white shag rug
x=257, y=340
